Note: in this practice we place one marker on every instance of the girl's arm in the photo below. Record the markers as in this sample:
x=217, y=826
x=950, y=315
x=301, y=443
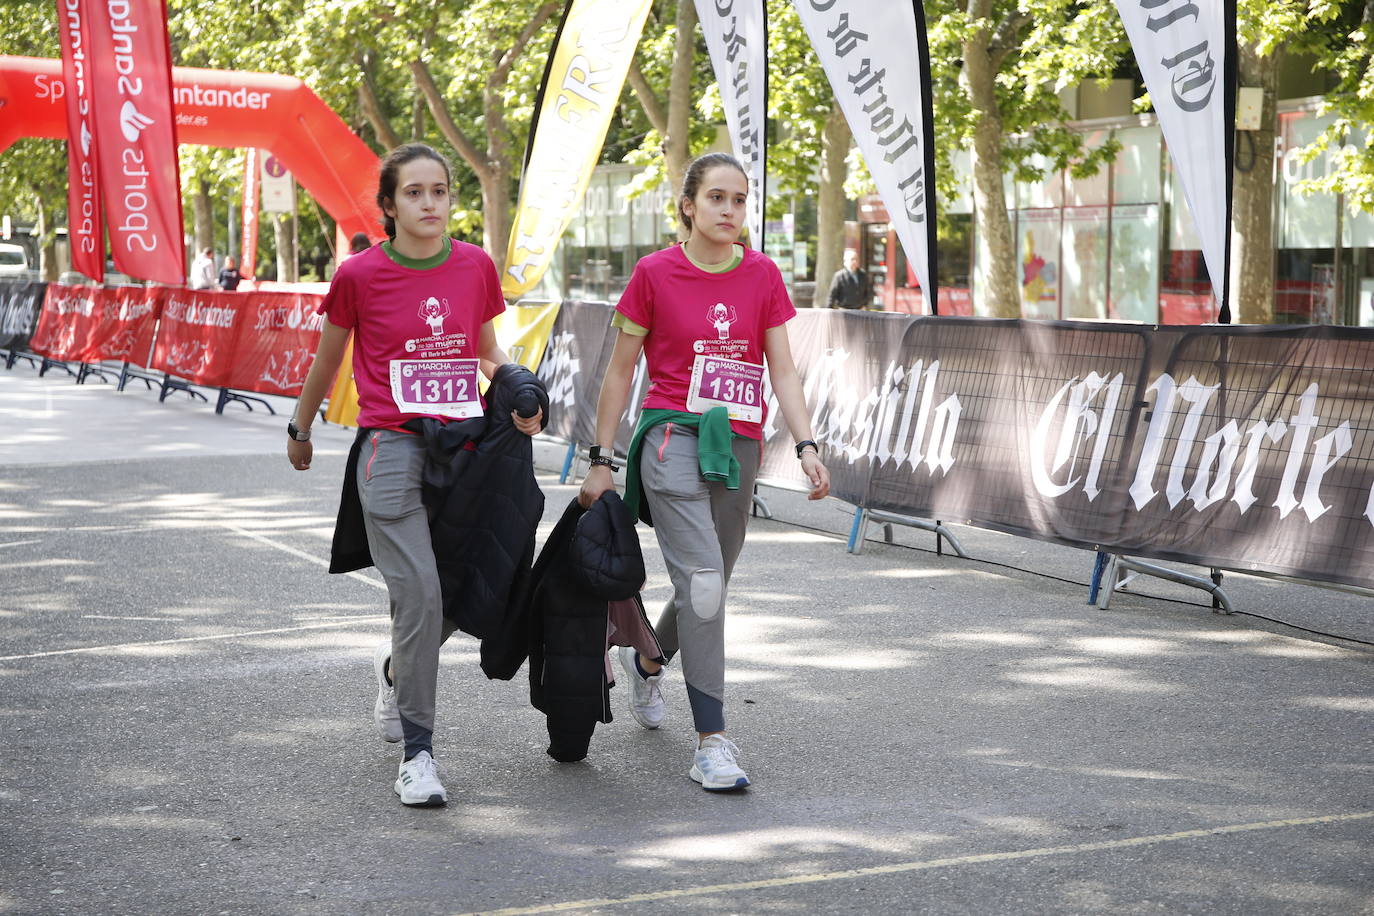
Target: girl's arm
x=493, y=358
x=329, y=356
x=610, y=407
x=787, y=386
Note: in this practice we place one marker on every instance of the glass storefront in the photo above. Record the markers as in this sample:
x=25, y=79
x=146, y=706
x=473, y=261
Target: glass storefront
x=1121, y=244
x=1116, y=245
x=611, y=232
x=1325, y=269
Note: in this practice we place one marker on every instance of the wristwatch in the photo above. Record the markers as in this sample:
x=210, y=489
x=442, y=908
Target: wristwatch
x=803, y=444
x=295, y=432
x=602, y=456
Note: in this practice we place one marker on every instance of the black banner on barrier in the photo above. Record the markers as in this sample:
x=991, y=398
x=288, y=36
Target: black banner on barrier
x=21, y=301
x=1238, y=447
x=579, y=352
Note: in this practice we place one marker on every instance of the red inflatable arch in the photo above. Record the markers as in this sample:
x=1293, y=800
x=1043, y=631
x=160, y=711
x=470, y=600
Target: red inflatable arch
x=231, y=109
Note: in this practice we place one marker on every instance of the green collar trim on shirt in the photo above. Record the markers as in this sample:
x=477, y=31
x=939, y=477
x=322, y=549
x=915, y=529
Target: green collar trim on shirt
x=418, y=263
x=736, y=257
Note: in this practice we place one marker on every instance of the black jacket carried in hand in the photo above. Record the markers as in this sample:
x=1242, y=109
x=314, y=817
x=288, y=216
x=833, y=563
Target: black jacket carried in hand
x=581, y=597
x=482, y=498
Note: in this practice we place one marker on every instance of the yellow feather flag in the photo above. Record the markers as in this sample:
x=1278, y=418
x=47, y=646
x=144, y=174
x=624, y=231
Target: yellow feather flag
x=586, y=70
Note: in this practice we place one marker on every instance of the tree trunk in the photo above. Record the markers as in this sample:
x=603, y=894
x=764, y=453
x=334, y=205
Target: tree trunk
x=417, y=119
x=203, y=215
x=1252, y=201
x=994, y=284
x=496, y=213
x=835, y=139
x=677, y=143
x=492, y=166
x=47, y=246
x=284, y=231
x=372, y=107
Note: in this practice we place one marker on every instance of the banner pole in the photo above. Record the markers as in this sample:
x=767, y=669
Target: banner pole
x=1230, y=79
x=928, y=134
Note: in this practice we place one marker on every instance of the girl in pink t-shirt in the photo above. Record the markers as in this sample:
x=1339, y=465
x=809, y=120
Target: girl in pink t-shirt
x=419, y=308
x=710, y=317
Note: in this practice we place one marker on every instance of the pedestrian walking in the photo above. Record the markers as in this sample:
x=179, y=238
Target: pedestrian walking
x=708, y=315
x=203, y=270
x=229, y=275
x=419, y=307
x=849, y=287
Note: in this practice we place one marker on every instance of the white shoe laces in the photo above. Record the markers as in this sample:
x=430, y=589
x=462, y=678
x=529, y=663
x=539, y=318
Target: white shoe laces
x=720, y=752
x=654, y=695
x=423, y=768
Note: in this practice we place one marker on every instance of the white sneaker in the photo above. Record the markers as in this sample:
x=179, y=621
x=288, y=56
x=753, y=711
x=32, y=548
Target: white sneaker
x=646, y=700
x=385, y=713
x=418, y=782
x=714, y=765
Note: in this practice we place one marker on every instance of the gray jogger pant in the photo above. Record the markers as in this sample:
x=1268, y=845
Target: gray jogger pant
x=700, y=527
x=389, y=474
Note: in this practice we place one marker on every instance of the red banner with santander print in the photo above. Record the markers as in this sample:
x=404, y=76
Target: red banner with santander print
x=277, y=343
x=260, y=342
x=130, y=68
x=85, y=225
x=197, y=334
x=88, y=324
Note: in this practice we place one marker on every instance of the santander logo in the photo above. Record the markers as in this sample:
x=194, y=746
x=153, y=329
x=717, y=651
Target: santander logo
x=132, y=122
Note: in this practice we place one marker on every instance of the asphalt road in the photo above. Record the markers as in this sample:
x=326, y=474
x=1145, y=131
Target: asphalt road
x=186, y=695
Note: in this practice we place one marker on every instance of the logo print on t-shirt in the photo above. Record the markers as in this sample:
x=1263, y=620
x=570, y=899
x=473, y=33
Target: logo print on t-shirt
x=721, y=317
x=434, y=311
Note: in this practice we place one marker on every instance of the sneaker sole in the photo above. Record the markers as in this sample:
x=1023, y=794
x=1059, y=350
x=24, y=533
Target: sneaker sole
x=387, y=735
x=642, y=722
x=698, y=777
x=432, y=801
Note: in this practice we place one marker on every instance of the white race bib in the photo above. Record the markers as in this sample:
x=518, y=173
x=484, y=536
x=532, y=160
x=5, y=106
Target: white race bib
x=440, y=387
x=730, y=383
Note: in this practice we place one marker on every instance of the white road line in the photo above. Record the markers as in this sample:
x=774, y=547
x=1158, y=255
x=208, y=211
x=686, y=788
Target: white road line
x=926, y=864
x=119, y=647
x=118, y=617
x=22, y=543
x=318, y=561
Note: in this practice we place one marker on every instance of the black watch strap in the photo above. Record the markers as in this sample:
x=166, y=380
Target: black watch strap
x=602, y=456
x=803, y=444
x=295, y=432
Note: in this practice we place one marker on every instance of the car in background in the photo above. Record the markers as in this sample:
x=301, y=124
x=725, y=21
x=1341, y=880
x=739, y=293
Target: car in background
x=13, y=260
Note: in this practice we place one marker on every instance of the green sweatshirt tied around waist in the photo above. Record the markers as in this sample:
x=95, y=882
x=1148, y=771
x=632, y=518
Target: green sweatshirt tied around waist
x=715, y=451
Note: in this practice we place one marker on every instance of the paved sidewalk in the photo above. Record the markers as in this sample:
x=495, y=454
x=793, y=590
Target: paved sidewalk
x=185, y=720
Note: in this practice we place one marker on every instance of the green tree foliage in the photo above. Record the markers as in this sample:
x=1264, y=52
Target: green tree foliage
x=1341, y=38
x=998, y=67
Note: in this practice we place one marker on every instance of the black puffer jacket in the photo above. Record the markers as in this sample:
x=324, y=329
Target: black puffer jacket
x=483, y=502
x=581, y=597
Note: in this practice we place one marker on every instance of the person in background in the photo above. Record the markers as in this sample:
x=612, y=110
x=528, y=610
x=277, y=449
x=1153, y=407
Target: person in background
x=710, y=317
x=359, y=243
x=849, y=287
x=229, y=275
x=203, y=270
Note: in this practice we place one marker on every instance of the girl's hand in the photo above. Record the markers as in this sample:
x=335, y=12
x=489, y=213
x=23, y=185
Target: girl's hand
x=816, y=473
x=528, y=425
x=299, y=453
x=597, y=481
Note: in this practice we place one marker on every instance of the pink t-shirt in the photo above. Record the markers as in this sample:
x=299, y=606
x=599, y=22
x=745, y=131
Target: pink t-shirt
x=690, y=312
x=411, y=319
